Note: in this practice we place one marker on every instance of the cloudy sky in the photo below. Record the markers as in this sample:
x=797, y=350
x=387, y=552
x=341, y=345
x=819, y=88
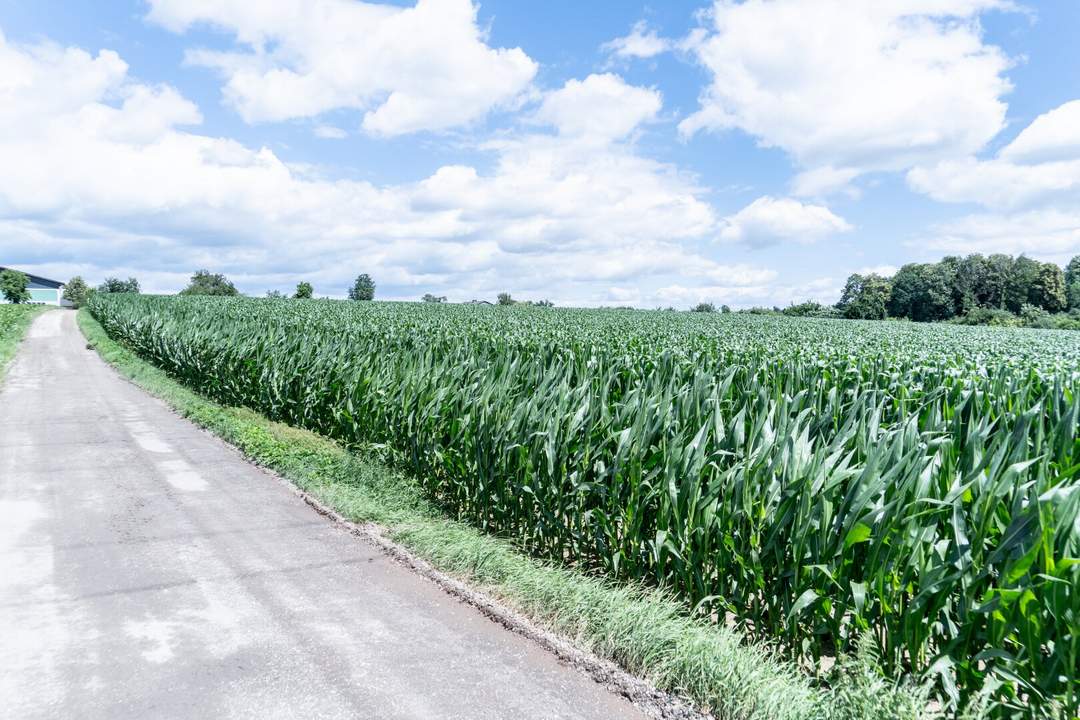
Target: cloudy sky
x=591, y=153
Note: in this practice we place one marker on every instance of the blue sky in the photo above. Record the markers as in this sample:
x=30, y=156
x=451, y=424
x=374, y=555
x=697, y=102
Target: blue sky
x=661, y=154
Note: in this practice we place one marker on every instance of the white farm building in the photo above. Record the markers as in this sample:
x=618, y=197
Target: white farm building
x=43, y=291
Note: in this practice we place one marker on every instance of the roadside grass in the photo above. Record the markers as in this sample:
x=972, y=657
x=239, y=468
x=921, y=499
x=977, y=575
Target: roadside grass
x=14, y=321
x=642, y=630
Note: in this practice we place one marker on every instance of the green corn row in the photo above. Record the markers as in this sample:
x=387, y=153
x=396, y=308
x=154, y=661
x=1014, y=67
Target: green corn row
x=812, y=481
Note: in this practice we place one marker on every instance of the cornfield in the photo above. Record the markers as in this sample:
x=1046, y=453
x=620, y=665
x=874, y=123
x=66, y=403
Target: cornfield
x=811, y=481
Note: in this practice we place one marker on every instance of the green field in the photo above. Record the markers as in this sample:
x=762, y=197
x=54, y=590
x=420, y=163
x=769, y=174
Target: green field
x=809, y=481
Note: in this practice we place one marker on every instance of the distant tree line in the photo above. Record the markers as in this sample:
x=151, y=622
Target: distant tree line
x=973, y=290
x=116, y=285
x=505, y=299
x=203, y=282
x=977, y=290
x=956, y=287
x=702, y=307
x=77, y=292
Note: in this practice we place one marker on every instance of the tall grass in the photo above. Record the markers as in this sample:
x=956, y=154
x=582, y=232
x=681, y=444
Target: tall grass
x=14, y=319
x=821, y=483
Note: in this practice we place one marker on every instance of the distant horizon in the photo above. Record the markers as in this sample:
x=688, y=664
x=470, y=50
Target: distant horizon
x=602, y=154
x=1069, y=291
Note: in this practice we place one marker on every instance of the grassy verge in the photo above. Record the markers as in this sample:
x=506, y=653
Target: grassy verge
x=14, y=320
x=642, y=630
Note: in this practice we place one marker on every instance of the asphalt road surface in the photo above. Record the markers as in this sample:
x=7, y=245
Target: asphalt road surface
x=148, y=571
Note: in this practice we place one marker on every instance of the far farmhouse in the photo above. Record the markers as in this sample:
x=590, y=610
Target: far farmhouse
x=43, y=291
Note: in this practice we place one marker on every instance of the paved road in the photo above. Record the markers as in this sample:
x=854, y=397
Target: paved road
x=147, y=571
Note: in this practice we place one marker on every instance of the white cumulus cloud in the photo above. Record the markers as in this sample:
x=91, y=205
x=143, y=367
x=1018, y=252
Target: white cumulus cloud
x=425, y=67
x=641, y=42
x=1050, y=234
x=600, y=106
x=330, y=132
x=998, y=181
x=1053, y=136
x=847, y=87
x=769, y=220
x=1030, y=189
x=1041, y=164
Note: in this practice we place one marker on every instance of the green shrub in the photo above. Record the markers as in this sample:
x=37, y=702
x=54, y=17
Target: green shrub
x=988, y=316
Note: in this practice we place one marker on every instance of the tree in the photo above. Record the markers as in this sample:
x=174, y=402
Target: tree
x=116, y=285
x=1072, y=271
x=204, y=282
x=13, y=286
x=1072, y=294
x=505, y=299
x=1020, y=285
x=1072, y=282
x=703, y=307
x=865, y=297
x=76, y=291
x=363, y=288
x=938, y=300
x=982, y=282
x=949, y=271
x=303, y=291
x=969, y=283
x=274, y=295
x=999, y=268
x=1048, y=289
x=906, y=287
x=922, y=292
x=429, y=298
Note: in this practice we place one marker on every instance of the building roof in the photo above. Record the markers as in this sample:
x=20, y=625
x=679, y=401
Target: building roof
x=36, y=280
